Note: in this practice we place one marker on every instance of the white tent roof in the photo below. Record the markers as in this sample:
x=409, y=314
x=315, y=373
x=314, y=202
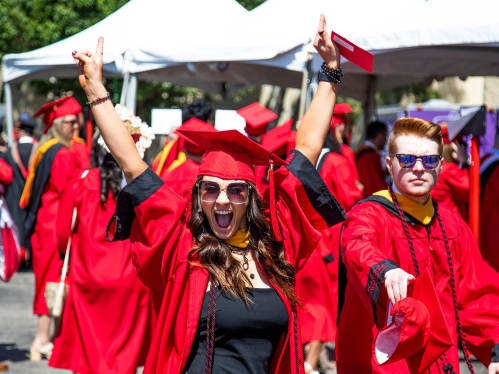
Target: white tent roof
x=173, y=25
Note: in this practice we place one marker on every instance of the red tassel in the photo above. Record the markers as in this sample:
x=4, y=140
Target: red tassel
x=273, y=206
x=89, y=130
x=474, y=199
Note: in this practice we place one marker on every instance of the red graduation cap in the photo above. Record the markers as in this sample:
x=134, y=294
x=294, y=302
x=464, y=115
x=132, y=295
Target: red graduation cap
x=277, y=139
x=56, y=109
x=422, y=336
x=196, y=125
x=257, y=117
x=339, y=114
x=231, y=155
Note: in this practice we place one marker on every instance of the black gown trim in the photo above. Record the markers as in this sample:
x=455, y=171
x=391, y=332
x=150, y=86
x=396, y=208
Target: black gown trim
x=374, y=280
x=131, y=196
x=495, y=353
x=41, y=178
x=319, y=195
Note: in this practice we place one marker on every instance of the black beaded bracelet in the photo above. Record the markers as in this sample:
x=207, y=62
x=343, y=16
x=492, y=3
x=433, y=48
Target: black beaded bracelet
x=99, y=100
x=329, y=75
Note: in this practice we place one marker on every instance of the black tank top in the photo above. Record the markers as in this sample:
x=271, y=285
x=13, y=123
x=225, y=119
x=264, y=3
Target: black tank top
x=246, y=337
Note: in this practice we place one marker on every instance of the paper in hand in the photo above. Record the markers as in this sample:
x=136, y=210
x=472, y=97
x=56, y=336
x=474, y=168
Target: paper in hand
x=353, y=53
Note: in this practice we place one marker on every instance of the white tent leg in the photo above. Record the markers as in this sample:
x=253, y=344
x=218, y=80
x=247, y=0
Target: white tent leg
x=304, y=89
x=131, y=93
x=369, y=106
x=9, y=117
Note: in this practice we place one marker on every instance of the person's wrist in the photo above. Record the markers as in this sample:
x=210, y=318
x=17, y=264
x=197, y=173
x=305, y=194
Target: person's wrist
x=95, y=91
x=333, y=64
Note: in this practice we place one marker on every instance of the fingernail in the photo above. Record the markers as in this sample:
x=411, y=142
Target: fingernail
x=74, y=52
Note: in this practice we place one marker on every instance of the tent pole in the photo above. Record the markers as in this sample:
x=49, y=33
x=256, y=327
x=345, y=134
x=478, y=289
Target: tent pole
x=304, y=88
x=131, y=93
x=126, y=78
x=9, y=117
x=369, y=107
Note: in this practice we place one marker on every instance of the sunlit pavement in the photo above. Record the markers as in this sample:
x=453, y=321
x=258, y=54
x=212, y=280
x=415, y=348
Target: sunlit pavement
x=18, y=326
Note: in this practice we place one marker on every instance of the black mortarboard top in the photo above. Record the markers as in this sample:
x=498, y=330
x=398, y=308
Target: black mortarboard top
x=472, y=122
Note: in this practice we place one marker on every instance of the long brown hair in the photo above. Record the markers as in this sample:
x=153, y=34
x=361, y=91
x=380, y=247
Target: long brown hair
x=215, y=255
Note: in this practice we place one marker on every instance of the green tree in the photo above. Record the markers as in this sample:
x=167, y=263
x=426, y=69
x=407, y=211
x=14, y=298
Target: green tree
x=250, y=4
x=26, y=25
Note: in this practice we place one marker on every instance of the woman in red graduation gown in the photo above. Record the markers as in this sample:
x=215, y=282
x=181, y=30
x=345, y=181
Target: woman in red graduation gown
x=108, y=319
x=53, y=165
x=227, y=274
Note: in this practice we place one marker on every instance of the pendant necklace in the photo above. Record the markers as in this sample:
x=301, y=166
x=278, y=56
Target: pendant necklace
x=245, y=260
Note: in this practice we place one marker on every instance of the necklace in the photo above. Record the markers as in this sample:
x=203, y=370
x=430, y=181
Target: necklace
x=245, y=259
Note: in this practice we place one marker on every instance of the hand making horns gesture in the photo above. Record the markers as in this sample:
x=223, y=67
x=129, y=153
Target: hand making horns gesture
x=326, y=48
x=111, y=127
x=90, y=68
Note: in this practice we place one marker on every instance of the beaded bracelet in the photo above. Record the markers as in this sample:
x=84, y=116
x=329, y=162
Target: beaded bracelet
x=329, y=75
x=99, y=100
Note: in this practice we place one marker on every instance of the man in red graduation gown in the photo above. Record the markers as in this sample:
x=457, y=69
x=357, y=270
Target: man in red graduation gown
x=198, y=109
x=489, y=205
x=368, y=160
x=397, y=234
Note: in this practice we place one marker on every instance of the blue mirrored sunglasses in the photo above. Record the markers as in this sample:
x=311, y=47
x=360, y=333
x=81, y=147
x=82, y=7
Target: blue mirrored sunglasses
x=408, y=161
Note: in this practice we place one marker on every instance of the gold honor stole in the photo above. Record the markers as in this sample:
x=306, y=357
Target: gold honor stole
x=422, y=212
x=28, y=187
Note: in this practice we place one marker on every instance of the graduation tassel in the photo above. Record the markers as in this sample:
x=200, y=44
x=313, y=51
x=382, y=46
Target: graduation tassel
x=273, y=207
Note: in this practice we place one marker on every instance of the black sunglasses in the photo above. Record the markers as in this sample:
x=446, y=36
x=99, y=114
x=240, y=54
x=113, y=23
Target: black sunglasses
x=408, y=161
x=237, y=193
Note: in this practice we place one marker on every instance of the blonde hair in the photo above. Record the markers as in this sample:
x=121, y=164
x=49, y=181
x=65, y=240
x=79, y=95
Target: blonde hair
x=55, y=131
x=417, y=127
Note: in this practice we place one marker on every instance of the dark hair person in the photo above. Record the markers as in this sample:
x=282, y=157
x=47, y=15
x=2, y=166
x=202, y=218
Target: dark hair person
x=227, y=273
x=108, y=320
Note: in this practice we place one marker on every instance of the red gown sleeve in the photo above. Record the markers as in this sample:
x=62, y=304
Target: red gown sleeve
x=370, y=172
x=458, y=181
x=304, y=206
x=63, y=169
x=365, y=262
x=339, y=178
x=6, y=172
x=478, y=298
x=151, y=215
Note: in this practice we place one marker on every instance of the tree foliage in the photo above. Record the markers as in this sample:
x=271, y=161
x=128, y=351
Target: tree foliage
x=250, y=4
x=26, y=25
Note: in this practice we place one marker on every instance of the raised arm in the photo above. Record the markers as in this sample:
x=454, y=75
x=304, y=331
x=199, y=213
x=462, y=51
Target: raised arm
x=317, y=120
x=111, y=127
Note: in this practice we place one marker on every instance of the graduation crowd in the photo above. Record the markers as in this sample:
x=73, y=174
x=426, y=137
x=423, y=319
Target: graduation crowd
x=277, y=252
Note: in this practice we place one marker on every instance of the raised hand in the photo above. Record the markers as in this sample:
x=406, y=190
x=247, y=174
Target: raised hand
x=90, y=69
x=326, y=48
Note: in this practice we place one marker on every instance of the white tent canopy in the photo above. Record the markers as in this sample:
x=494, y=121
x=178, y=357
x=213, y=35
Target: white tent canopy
x=191, y=41
x=177, y=26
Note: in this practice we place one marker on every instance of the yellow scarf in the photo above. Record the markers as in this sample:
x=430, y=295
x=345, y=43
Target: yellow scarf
x=240, y=239
x=164, y=154
x=179, y=161
x=422, y=212
x=28, y=187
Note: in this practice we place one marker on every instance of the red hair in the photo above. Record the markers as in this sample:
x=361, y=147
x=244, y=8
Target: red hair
x=417, y=127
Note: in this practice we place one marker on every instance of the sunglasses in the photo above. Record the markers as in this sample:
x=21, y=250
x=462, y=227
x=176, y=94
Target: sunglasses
x=408, y=161
x=72, y=123
x=237, y=193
